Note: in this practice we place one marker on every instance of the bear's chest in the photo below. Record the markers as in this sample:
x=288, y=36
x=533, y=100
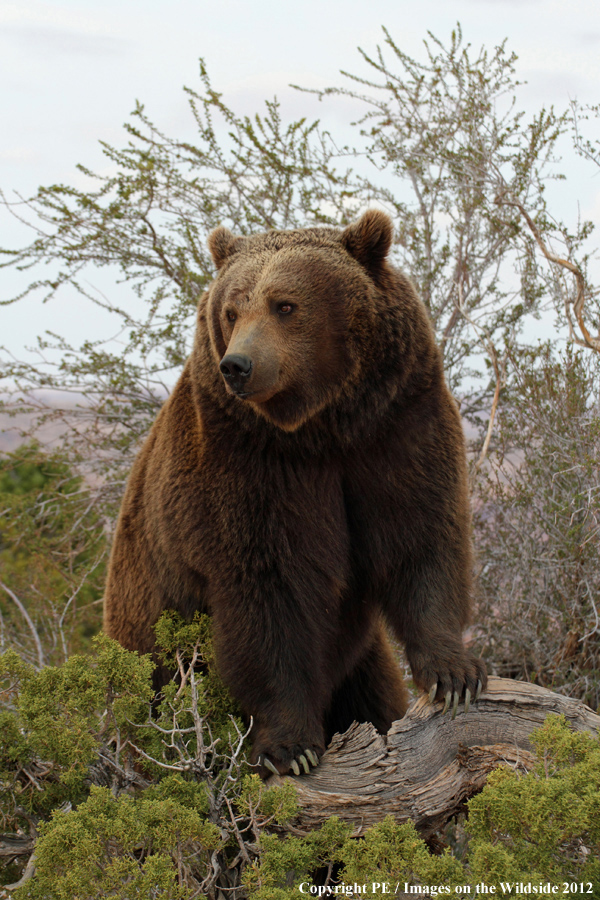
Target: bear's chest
x=252, y=514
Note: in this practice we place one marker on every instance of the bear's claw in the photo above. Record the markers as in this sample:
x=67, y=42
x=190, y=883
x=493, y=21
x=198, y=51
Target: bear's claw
x=455, y=704
x=303, y=761
x=452, y=698
x=266, y=762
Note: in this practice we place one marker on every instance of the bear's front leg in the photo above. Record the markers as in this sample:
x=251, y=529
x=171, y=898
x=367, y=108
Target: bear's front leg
x=443, y=668
x=411, y=531
x=430, y=619
x=271, y=649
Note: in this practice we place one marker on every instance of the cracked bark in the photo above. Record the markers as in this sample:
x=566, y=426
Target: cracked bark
x=428, y=765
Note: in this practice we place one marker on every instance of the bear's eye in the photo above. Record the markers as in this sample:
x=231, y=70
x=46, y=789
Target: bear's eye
x=231, y=316
x=284, y=308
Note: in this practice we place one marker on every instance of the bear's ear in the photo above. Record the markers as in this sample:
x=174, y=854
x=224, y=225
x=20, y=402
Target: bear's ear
x=369, y=239
x=222, y=244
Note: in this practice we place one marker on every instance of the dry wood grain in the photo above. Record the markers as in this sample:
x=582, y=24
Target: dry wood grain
x=429, y=764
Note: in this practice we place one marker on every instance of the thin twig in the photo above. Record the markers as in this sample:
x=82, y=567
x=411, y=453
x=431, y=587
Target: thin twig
x=499, y=371
x=27, y=618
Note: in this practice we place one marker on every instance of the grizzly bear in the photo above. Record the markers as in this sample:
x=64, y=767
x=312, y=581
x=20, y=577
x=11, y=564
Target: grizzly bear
x=305, y=484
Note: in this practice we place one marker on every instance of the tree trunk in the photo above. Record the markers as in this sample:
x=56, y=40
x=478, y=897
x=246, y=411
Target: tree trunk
x=429, y=765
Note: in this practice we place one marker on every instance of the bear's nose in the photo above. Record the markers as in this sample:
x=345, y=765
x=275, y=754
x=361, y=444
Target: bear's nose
x=236, y=368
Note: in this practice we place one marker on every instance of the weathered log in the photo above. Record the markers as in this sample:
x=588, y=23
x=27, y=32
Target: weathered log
x=14, y=845
x=429, y=765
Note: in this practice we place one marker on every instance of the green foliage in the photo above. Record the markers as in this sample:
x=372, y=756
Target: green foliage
x=53, y=551
x=389, y=852
x=57, y=720
x=284, y=864
x=197, y=697
x=24, y=472
x=395, y=853
x=544, y=826
x=278, y=805
x=120, y=847
x=125, y=793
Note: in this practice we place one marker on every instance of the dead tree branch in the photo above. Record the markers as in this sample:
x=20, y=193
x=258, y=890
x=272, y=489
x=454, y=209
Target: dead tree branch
x=587, y=340
x=429, y=765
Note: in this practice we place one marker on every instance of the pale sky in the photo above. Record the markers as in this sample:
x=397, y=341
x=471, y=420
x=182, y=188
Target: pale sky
x=71, y=70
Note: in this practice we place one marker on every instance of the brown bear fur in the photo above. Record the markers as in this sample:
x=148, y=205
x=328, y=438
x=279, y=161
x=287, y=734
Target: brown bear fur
x=305, y=484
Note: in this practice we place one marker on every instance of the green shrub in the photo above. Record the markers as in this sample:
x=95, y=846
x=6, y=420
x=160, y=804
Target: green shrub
x=543, y=827
x=121, y=847
x=133, y=798
x=128, y=795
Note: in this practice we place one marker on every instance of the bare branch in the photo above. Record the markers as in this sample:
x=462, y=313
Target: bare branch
x=31, y=626
x=499, y=371
x=588, y=340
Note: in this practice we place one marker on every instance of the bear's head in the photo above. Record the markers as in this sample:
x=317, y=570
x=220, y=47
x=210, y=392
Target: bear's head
x=288, y=311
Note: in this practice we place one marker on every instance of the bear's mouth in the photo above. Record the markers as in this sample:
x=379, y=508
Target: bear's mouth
x=241, y=394
x=255, y=396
